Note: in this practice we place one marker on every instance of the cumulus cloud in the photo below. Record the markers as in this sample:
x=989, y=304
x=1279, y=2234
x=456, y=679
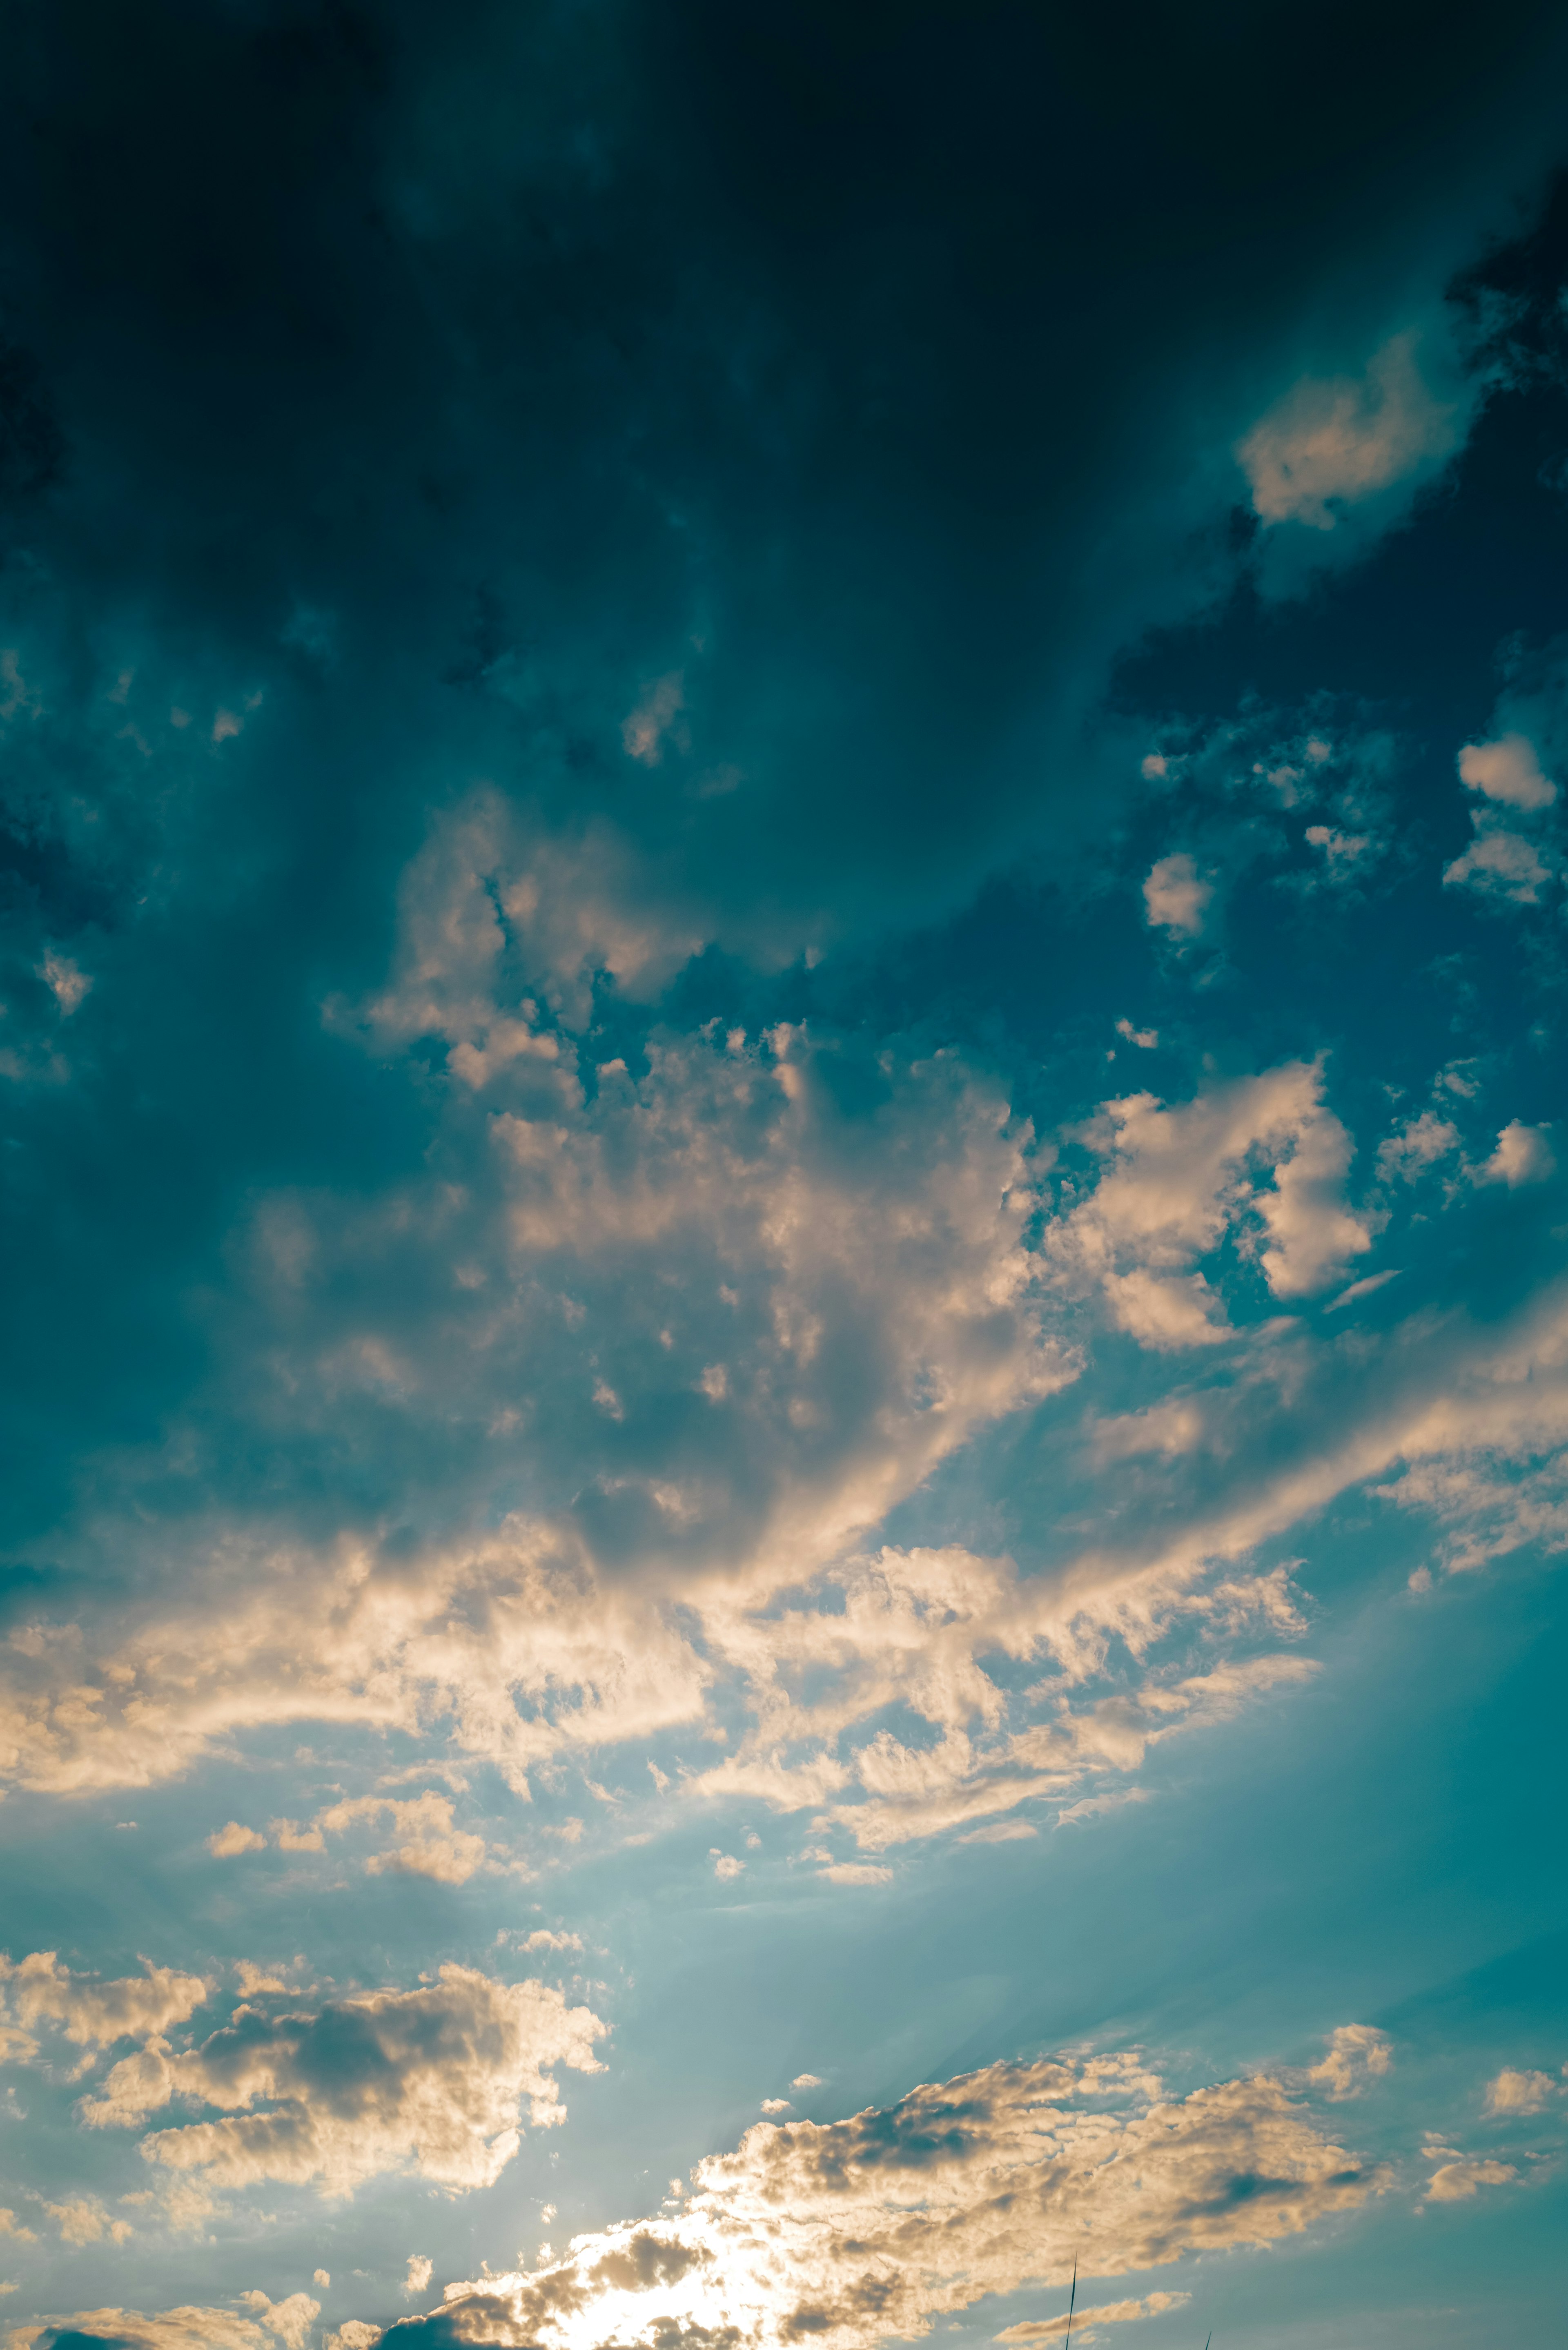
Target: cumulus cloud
x=1177, y=895
x=1175, y=1181
x=1514, y=2092
x=417, y=2276
x=498, y=919
x=426, y=1842
x=1357, y=2055
x=1421, y=1143
x=290, y=2320
x=225, y=1843
x=1458, y=2181
x=91, y=2012
x=1332, y=442
x=1499, y=864
x=857, y=2231
x=432, y=2077
x=1508, y=770
x=1523, y=1155
x=82, y=2220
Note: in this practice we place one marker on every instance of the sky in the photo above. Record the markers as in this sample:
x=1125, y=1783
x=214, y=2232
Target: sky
x=783, y=858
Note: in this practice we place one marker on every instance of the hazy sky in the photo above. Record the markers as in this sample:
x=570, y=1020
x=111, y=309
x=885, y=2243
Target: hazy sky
x=783, y=850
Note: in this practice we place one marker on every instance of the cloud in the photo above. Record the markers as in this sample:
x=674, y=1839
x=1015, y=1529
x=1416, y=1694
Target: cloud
x=726, y=1868
x=431, y=2077
x=418, y=2275
x=776, y=2104
x=1176, y=896
x=226, y=1842
x=1176, y=1181
x=1509, y=771
x=1523, y=1154
x=1332, y=442
x=868, y=1278
x=1419, y=1144
x=428, y=1844
x=290, y=2320
x=12, y=2228
x=1521, y=2093
x=1456, y=2182
x=1499, y=864
x=91, y=2012
x=1357, y=2055
x=657, y=720
x=1105, y=2313
x=806, y=2081
x=871, y=2228
x=190, y=2328
x=65, y=980
x=82, y=2220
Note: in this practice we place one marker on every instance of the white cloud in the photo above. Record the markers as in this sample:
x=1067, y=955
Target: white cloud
x=870, y=2228
x=290, y=2320
x=1521, y=2093
x=1499, y=864
x=433, y=2077
x=190, y=2328
x=12, y=2228
x=82, y=2220
x=1419, y=1144
x=1175, y=1181
x=1508, y=770
x=226, y=1842
x=776, y=2104
x=1102, y=2312
x=427, y=1844
x=92, y=2014
x=417, y=2278
x=1334, y=441
x=726, y=1868
x=1176, y=896
x=1523, y=1154
x=1456, y=2182
x=497, y=919
x=1357, y=2055
x=806, y=2081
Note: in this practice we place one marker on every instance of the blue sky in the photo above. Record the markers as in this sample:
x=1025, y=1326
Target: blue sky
x=782, y=833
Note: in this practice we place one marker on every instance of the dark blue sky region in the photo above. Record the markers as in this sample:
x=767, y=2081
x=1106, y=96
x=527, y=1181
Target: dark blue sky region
x=781, y=1000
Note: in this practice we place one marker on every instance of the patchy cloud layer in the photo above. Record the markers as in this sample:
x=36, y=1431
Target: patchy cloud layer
x=432, y=2078
x=782, y=859
x=875, y=2226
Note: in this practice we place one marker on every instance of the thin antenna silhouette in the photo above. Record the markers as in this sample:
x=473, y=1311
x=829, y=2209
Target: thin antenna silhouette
x=1071, y=2303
